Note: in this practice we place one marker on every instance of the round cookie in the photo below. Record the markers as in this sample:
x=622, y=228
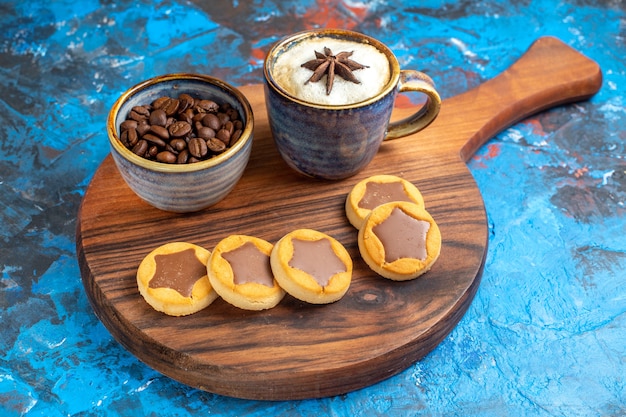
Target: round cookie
x=399, y=240
x=173, y=279
x=312, y=266
x=239, y=271
x=376, y=190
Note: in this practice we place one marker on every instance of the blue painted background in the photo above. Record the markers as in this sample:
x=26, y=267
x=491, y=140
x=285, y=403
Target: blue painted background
x=546, y=334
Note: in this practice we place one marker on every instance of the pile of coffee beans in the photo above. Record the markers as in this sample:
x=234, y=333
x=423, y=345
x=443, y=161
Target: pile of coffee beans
x=181, y=130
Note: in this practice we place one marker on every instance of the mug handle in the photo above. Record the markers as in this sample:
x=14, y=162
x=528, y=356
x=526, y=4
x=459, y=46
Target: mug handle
x=411, y=80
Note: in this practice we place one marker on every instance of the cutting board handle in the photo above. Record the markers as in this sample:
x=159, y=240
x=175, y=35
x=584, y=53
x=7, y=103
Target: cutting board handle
x=548, y=74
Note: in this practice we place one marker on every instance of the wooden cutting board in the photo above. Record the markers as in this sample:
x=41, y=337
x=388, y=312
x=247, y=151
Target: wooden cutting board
x=380, y=327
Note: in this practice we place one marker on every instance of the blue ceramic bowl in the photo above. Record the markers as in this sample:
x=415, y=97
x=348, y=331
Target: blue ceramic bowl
x=181, y=187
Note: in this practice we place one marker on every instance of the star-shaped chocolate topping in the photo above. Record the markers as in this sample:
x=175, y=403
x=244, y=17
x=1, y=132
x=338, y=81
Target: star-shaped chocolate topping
x=330, y=64
x=403, y=236
x=178, y=271
x=249, y=264
x=317, y=258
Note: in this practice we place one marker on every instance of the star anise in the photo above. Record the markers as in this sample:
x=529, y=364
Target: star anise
x=330, y=64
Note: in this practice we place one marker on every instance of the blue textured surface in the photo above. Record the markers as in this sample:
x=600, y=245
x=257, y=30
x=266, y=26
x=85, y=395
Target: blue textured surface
x=546, y=334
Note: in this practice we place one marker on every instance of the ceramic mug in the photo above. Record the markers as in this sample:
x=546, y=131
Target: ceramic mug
x=335, y=141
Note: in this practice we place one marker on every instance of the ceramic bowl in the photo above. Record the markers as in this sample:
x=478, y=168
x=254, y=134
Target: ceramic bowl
x=181, y=187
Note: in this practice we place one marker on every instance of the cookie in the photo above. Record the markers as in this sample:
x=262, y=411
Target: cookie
x=173, y=279
x=239, y=270
x=399, y=240
x=376, y=190
x=312, y=266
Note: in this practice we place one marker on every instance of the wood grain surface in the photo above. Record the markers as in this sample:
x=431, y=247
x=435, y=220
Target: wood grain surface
x=380, y=327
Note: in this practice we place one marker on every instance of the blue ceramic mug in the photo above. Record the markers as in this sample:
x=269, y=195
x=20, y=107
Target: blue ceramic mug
x=335, y=141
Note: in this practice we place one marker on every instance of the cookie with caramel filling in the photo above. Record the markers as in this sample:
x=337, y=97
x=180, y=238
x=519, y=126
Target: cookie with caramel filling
x=239, y=270
x=399, y=240
x=312, y=266
x=173, y=279
x=376, y=190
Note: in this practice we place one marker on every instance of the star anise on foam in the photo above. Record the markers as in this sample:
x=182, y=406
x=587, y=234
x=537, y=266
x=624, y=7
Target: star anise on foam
x=330, y=64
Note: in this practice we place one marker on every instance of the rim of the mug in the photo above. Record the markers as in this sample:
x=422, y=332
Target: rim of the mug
x=115, y=141
x=281, y=45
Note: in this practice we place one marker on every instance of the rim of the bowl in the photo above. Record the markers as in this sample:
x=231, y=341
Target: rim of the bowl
x=246, y=134
x=337, y=33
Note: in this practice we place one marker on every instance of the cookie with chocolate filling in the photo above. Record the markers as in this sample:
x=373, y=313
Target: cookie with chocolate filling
x=239, y=270
x=376, y=190
x=399, y=240
x=312, y=266
x=173, y=279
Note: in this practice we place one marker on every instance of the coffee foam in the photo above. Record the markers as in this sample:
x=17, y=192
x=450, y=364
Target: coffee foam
x=291, y=76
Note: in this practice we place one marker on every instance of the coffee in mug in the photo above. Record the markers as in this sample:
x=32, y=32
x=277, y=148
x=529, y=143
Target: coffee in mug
x=329, y=95
x=371, y=75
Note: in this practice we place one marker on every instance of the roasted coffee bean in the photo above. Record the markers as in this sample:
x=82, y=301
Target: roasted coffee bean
x=223, y=117
x=235, y=137
x=132, y=137
x=182, y=157
x=142, y=111
x=180, y=130
x=206, y=106
x=128, y=124
x=178, y=144
x=160, y=131
x=215, y=145
x=158, y=117
x=211, y=120
x=136, y=116
x=153, y=150
x=223, y=135
x=197, y=147
x=143, y=127
x=171, y=106
x=124, y=138
x=140, y=148
x=159, y=102
x=154, y=140
x=187, y=116
x=206, y=132
x=167, y=157
x=229, y=126
x=185, y=102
